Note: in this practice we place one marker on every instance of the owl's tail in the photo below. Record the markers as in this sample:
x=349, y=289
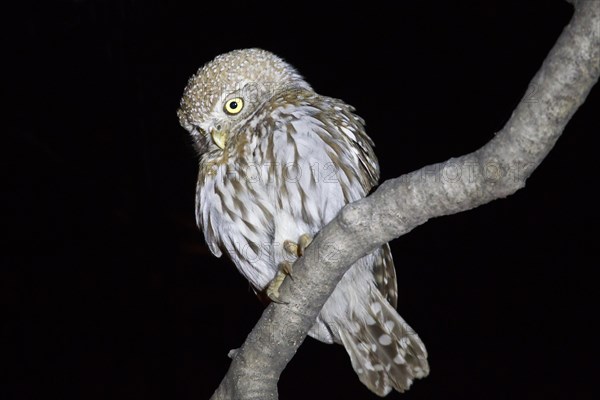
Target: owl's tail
x=385, y=352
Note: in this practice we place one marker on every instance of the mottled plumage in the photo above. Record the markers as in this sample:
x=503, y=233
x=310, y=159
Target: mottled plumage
x=278, y=161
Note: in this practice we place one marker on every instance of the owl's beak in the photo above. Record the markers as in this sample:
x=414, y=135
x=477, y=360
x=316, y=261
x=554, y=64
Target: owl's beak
x=219, y=137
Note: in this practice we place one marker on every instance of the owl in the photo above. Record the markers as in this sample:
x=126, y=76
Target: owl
x=277, y=163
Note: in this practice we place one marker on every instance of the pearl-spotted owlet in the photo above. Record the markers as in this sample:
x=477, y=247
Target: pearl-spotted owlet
x=278, y=162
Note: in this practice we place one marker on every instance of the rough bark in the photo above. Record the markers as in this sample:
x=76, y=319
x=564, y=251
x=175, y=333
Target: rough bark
x=496, y=170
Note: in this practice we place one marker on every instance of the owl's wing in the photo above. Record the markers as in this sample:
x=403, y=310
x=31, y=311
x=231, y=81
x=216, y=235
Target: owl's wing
x=340, y=121
x=205, y=220
x=352, y=128
x=385, y=275
x=303, y=127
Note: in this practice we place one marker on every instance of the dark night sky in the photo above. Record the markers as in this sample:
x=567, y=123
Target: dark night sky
x=110, y=290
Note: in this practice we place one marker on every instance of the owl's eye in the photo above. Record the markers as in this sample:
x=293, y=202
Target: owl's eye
x=234, y=106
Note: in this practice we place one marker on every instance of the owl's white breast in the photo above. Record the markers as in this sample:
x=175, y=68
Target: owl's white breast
x=286, y=185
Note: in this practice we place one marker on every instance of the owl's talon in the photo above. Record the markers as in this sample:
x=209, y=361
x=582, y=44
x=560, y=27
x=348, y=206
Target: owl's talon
x=276, y=299
x=304, y=241
x=297, y=249
x=291, y=247
x=273, y=294
x=285, y=269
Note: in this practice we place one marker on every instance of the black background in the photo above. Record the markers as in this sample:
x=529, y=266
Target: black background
x=110, y=290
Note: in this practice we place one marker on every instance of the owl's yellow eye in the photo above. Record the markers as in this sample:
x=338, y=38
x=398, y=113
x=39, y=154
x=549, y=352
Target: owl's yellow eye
x=234, y=106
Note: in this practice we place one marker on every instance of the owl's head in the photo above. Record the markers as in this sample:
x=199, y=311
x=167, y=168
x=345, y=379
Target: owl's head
x=228, y=90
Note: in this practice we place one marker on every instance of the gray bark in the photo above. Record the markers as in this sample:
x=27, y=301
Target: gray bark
x=496, y=170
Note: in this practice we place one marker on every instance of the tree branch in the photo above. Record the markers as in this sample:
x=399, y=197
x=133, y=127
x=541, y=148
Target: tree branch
x=496, y=170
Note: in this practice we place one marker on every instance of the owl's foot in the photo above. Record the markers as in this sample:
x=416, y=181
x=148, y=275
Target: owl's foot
x=285, y=269
x=297, y=249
